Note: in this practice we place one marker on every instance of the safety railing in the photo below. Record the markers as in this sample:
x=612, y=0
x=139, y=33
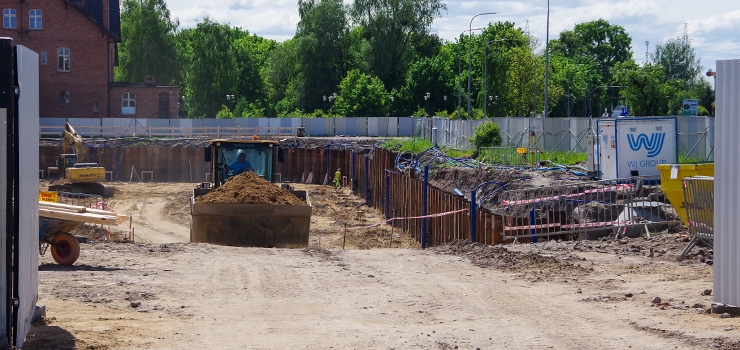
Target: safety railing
x=91, y=231
x=698, y=194
x=611, y=207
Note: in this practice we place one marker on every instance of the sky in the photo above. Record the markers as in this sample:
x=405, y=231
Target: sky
x=713, y=26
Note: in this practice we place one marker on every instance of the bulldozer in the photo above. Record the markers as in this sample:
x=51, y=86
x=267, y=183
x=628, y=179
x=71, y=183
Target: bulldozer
x=247, y=225
x=81, y=177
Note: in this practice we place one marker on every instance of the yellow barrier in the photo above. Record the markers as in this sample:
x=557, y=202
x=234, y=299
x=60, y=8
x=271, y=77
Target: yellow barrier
x=671, y=180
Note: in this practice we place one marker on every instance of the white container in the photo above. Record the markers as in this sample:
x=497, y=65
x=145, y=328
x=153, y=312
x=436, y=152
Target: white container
x=635, y=146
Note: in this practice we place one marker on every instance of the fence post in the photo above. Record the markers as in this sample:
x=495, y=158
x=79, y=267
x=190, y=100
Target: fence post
x=367, y=181
x=387, y=180
x=472, y=216
x=424, y=206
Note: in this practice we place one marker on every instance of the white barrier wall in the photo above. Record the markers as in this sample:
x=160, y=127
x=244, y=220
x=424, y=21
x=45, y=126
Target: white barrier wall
x=727, y=185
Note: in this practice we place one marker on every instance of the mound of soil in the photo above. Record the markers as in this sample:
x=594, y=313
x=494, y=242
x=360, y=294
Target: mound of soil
x=250, y=188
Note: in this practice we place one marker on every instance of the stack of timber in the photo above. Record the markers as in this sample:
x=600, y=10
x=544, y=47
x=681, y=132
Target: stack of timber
x=80, y=214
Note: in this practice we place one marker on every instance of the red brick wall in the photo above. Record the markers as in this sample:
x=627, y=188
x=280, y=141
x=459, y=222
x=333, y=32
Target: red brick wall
x=147, y=101
x=65, y=27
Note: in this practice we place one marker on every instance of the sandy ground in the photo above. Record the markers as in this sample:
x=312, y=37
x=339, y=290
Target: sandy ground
x=161, y=292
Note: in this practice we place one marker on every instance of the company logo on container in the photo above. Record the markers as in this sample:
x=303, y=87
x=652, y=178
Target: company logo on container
x=653, y=145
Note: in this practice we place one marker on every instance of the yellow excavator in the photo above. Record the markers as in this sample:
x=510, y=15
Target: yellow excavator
x=82, y=177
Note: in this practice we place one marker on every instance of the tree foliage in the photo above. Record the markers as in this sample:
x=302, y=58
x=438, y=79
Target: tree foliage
x=148, y=45
x=389, y=26
x=370, y=50
x=361, y=96
x=678, y=60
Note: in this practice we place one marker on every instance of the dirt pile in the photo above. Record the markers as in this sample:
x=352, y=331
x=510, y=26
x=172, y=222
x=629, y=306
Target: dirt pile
x=250, y=188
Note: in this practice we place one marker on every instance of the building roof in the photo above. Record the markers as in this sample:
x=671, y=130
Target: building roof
x=95, y=14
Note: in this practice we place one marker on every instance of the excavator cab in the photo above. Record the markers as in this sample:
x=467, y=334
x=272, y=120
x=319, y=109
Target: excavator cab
x=232, y=157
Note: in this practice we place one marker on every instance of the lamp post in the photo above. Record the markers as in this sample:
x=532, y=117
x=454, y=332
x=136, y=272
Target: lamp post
x=470, y=53
x=485, y=71
x=392, y=100
x=445, y=98
x=426, y=99
x=491, y=99
x=323, y=108
x=547, y=57
x=459, y=72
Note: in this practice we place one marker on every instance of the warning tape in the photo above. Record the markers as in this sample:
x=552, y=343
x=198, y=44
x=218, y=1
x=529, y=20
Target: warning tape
x=569, y=226
x=700, y=225
x=406, y=218
x=536, y=200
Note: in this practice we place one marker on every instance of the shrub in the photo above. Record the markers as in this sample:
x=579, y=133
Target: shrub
x=486, y=135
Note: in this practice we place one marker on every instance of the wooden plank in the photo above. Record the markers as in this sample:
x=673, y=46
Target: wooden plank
x=81, y=217
x=78, y=209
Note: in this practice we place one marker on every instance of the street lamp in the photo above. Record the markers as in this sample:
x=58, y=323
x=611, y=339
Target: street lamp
x=426, y=99
x=470, y=53
x=445, y=98
x=459, y=72
x=491, y=99
x=485, y=70
x=392, y=100
x=547, y=57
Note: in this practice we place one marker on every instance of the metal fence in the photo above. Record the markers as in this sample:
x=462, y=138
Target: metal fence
x=695, y=134
x=626, y=206
x=91, y=231
x=698, y=194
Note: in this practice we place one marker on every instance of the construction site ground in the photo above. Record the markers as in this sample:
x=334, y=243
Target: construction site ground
x=380, y=292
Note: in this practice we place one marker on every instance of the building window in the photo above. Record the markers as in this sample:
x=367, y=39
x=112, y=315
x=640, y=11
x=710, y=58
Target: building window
x=63, y=59
x=128, y=103
x=34, y=19
x=95, y=107
x=43, y=58
x=9, y=18
x=64, y=98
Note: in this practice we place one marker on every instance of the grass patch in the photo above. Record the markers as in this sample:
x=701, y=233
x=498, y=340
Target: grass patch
x=692, y=160
x=414, y=145
x=564, y=158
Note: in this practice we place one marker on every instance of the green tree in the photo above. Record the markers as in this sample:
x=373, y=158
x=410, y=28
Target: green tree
x=323, y=48
x=427, y=75
x=486, y=135
x=647, y=90
x=599, y=41
x=389, y=26
x=148, y=45
x=282, y=78
x=361, y=96
x=678, y=60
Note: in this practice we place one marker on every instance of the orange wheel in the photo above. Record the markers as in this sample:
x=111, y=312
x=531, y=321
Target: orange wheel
x=65, y=249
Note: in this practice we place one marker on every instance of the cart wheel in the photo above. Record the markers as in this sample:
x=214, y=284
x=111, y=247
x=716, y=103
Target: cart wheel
x=65, y=249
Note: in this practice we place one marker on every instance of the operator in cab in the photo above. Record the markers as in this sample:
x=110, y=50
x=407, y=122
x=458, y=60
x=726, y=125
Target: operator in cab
x=241, y=165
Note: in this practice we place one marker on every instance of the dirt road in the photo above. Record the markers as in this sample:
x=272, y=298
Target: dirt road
x=556, y=295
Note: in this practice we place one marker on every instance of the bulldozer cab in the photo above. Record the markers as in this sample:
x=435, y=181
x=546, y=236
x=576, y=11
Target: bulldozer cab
x=233, y=157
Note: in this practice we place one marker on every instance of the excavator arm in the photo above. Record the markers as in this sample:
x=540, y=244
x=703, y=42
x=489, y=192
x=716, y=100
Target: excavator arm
x=73, y=142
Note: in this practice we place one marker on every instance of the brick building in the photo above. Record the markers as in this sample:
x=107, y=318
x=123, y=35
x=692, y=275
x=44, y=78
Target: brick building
x=76, y=42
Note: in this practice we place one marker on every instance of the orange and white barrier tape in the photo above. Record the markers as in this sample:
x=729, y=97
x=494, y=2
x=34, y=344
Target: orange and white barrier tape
x=407, y=218
x=537, y=200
